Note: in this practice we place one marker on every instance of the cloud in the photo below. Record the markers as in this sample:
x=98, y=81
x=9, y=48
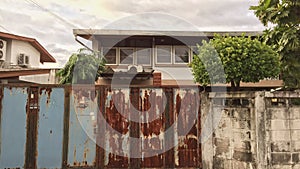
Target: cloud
x=201, y=13
x=151, y=21
x=53, y=48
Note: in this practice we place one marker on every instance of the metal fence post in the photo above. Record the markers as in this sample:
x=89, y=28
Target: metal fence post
x=66, y=128
x=100, y=138
x=169, y=161
x=32, y=111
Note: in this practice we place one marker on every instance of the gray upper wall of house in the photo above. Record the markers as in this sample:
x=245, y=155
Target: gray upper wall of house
x=146, y=41
x=147, y=38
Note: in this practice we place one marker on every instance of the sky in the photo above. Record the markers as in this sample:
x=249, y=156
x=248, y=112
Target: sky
x=52, y=22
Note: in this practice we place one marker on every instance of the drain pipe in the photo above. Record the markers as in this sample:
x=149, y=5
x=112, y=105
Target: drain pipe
x=77, y=40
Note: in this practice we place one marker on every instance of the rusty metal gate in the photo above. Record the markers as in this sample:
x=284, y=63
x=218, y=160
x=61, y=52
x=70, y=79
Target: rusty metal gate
x=99, y=127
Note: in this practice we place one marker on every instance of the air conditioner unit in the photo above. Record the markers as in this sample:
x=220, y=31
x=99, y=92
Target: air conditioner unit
x=139, y=68
x=2, y=49
x=23, y=60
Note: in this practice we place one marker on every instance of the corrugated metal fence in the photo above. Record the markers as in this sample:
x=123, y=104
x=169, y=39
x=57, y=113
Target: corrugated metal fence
x=82, y=127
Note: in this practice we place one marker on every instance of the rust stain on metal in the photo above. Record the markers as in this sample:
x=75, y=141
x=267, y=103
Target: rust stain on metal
x=115, y=107
x=152, y=127
x=74, y=156
x=100, y=137
x=186, y=153
x=46, y=90
x=85, y=152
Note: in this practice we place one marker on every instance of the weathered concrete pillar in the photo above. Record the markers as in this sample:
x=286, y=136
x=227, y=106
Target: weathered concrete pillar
x=206, y=132
x=260, y=114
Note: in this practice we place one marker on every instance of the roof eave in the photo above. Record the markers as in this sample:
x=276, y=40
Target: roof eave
x=45, y=55
x=87, y=33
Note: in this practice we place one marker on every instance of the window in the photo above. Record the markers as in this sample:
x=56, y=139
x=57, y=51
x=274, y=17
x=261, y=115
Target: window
x=126, y=56
x=181, y=54
x=173, y=54
x=143, y=56
x=163, y=55
x=110, y=54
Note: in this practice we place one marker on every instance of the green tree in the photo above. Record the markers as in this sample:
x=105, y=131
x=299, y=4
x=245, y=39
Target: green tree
x=243, y=59
x=82, y=67
x=284, y=34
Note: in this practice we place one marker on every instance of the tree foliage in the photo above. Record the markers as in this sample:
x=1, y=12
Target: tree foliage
x=82, y=67
x=236, y=58
x=284, y=35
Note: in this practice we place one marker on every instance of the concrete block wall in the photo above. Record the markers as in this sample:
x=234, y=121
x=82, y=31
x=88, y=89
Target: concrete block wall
x=283, y=134
x=233, y=138
x=258, y=130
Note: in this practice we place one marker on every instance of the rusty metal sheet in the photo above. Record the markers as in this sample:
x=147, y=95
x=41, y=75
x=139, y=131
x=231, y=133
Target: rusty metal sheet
x=186, y=106
x=13, y=128
x=152, y=127
x=117, y=134
x=82, y=128
x=50, y=128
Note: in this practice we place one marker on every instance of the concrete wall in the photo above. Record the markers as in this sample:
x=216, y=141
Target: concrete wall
x=18, y=47
x=283, y=131
x=251, y=130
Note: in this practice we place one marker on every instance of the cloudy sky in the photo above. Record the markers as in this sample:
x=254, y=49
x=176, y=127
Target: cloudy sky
x=51, y=22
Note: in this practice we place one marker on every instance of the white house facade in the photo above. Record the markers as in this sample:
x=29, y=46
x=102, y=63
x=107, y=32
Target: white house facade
x=166, y=52
x=21, y=58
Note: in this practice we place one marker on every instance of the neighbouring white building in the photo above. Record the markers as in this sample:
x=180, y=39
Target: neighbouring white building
x=21, y=58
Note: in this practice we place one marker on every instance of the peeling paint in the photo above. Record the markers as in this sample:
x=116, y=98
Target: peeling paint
x=82, y=141
x=50, y=128
x=186, y=110
x=152, y=126
x=116, y=110
x=13, y=128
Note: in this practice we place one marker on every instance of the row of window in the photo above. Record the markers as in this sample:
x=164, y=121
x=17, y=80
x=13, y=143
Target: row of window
x=142, y=56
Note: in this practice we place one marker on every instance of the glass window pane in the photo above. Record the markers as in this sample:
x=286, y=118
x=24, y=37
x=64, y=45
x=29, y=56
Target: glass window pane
x=110, y=55
x=143, y=56
x=126, y=56
x=163, y=54
x=181, y=54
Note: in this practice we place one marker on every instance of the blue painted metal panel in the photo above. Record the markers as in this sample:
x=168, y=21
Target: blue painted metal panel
x=50, y=128
x=13, y=128
x=82, y=146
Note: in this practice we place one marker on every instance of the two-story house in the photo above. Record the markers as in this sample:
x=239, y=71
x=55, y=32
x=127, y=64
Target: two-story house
x=21, y=58
x=166, y=52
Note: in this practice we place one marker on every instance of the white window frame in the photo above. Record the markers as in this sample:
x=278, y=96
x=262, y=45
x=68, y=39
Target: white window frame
x=133, y=55
x=136, y=56
x=116, y=54
x=163, y=63
x=174, y=55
